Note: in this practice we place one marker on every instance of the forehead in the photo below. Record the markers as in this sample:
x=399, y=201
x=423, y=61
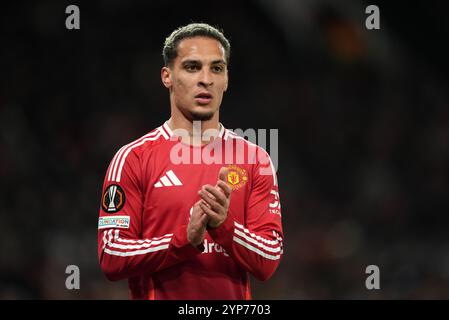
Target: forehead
x=200, y=48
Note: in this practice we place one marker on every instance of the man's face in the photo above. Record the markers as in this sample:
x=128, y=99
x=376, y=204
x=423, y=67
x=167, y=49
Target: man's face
x=197, y=78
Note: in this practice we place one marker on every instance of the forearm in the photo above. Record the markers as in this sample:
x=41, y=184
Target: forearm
x=122, y=258
x=259, y=252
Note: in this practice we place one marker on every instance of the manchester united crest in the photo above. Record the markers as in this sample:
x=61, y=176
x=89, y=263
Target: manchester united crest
x=237, y=177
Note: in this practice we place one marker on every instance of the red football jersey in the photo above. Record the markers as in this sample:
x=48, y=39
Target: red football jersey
x=150, y=187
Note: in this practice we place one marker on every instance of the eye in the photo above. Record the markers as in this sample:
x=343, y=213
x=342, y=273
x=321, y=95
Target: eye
x=217, y=68
x=191, y=67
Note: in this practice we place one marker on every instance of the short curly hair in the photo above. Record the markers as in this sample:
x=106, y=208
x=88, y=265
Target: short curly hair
x=170, y=51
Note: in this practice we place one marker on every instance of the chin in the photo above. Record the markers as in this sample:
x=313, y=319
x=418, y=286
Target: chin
x=201, y=116
x=202, y=113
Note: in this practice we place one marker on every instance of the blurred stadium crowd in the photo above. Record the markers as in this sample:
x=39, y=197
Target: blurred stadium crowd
x=363, y=119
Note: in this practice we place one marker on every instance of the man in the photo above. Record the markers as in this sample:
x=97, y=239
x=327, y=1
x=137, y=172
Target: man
x=191, y=230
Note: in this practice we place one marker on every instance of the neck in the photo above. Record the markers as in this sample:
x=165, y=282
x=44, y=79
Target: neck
x=195, y=129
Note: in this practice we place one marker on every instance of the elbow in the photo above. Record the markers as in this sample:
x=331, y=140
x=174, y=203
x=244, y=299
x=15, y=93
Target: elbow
x=111, y=270
x=261, y=276
x=111, y=275
x=264, y=274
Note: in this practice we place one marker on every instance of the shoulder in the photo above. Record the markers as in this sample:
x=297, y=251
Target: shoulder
x=254, y=154
x=149, y=140
x=132, y=151
x=249, y=147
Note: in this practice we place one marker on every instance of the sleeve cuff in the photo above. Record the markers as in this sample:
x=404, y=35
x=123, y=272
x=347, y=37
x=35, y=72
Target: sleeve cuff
x=224, y=233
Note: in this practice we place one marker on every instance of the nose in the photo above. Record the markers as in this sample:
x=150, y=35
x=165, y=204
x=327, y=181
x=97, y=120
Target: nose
x=205, y=79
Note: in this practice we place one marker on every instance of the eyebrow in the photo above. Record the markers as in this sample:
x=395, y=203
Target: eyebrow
x=191, y=61
x=219, y=61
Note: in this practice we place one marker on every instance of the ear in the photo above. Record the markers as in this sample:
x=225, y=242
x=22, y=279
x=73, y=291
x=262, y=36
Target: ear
x=166, y=77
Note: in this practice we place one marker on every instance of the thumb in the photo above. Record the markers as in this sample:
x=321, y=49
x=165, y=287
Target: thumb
x=223, y=174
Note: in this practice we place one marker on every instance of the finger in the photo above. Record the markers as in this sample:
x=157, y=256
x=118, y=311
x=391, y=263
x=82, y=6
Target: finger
x=223, y=174
x=203, y=189
x=204, y=219
x=205, y=196
x=196, y=210
x=224, y=186
x=219, y=196
x=211, y=214
x=211, y=202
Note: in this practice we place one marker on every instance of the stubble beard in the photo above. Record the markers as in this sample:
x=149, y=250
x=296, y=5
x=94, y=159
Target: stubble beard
x=199, y=116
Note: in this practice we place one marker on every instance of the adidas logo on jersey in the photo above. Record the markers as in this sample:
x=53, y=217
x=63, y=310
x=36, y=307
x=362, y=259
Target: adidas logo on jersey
x=168, y=180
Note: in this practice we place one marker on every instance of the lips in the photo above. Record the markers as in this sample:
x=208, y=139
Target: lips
x=203, y=98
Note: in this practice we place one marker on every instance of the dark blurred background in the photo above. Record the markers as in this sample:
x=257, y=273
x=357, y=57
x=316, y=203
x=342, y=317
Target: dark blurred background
x=363, y=119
